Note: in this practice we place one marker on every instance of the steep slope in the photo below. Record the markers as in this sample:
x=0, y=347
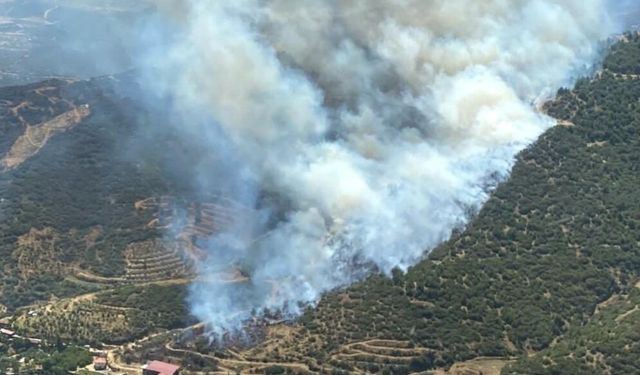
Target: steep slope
x=559, y=238
x=607, y=342
x=75, y=190
x=545, y=273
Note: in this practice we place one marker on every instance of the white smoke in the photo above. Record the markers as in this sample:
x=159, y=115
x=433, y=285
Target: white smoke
x=378, y=124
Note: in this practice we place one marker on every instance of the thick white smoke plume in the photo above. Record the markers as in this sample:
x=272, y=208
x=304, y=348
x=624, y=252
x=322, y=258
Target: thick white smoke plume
x=367, y=130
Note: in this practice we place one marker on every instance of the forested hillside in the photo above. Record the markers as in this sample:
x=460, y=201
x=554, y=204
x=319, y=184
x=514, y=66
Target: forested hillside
x=69, y=204
x=557, y=239
x=543, y=281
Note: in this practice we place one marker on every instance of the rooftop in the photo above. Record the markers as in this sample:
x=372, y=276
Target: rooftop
x=161, y=368
x=99, y=361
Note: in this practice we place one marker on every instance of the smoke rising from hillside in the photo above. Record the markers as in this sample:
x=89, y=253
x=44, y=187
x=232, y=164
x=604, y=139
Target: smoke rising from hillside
x=363, y=131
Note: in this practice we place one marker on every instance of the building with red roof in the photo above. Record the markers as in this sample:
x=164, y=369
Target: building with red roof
x=99, y=363
x=160, y=368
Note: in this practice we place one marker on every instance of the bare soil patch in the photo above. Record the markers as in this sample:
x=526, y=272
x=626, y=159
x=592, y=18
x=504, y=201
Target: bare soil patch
x=36, y=137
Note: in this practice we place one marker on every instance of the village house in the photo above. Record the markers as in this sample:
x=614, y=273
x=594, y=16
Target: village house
x=160, y=368
x=99, y=363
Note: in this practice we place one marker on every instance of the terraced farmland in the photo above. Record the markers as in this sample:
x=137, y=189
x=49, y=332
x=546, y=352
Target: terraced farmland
x=155, y=260
x=119, y=315
x=373, y=355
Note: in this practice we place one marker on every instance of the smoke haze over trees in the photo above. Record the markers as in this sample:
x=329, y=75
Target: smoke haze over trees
x=362, y=132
